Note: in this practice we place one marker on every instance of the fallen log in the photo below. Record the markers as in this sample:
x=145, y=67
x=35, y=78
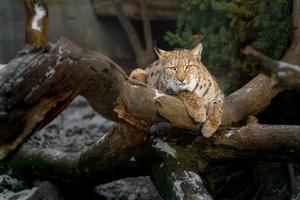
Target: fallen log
x=105, y=161
x=38, y=84
x=173, y=180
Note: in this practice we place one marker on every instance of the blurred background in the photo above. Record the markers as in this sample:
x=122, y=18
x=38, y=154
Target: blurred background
x=91, y=24
x=224, y=26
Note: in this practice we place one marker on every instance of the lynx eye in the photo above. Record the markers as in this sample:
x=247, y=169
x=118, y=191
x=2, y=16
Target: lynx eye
x=189, y=67
x=172, y=68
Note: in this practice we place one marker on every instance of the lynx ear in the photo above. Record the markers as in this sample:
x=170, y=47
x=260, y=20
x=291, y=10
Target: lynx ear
x=161, y=53
x=197, y=50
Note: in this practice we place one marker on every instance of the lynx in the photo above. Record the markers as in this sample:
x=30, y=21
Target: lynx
x=182, y=74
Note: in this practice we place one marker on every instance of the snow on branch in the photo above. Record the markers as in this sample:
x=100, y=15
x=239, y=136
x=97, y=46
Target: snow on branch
x=283, y=74
x=39, y=14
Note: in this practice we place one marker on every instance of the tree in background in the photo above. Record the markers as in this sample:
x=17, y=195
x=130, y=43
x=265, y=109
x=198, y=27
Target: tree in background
x=228, y=26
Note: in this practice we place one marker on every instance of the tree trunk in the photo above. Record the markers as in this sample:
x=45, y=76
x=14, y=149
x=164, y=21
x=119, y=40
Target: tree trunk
x=37, y=23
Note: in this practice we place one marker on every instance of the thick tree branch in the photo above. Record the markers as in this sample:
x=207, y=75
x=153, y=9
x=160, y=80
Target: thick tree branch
x=284, y=75
x=255, y=141
x=36, y=87
x=109, y=158
x=251, y=99
x=172, y=179
x=106, y=160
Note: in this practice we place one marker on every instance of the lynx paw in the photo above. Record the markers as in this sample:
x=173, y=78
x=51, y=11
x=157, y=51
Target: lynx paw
x=138, y=74
x=209, y=128
x=197, y=115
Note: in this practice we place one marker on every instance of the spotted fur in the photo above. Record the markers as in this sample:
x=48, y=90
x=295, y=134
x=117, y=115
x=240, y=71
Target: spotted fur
x=181, y=73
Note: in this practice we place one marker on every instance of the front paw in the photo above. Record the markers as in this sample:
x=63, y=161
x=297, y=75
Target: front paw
x=209, y=128
x=197, y=116
x=138, y=74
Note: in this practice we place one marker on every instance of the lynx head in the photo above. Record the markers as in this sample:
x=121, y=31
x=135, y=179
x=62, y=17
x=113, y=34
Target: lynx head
x=180, y=68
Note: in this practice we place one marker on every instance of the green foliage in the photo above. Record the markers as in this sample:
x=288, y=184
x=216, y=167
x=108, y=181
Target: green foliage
x=228, y=26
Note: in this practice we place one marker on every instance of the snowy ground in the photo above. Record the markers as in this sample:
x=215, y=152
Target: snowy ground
x=76, y=127
x=73, y=129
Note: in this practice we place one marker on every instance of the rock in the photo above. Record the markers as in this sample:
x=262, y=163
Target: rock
x=46, y=191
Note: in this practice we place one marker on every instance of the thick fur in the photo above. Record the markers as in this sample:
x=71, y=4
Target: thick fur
x=181, y=73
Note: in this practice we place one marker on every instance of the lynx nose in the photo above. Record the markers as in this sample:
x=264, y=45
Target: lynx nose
x=181, y=77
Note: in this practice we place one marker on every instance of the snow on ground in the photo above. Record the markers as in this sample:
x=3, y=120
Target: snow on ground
x=72, y=130
x=139, y=188
x=163, y=146
x=76, y=127
x=22, y=195
x=13, y=189
x=2, y=66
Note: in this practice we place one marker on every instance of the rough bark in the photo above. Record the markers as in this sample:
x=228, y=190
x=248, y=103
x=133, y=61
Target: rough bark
x=36, y=86
x=258, y=142
x=106, y=160
x=103, y=160
x=37, y=23
x=173, y=180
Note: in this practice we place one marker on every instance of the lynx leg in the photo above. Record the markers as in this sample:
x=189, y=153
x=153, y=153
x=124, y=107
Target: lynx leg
x=138, y=74
x=194, y=105
x=214, y=118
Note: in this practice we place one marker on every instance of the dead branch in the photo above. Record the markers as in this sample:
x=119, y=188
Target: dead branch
x=173, y=180
x=37, y=23
x=36, y=87
x=257, y=142
x=251, y=99
x=284, y=75
x=104, y=161
x=110, y=156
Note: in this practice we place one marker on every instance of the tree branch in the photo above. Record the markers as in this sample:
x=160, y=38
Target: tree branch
x=284, y=75
x=172, y=179
x=146, y=26
x=256, y=142
x=36, y=87
x=104, y=161
x=128, y=27
x=37, y=23
x=143, y=57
